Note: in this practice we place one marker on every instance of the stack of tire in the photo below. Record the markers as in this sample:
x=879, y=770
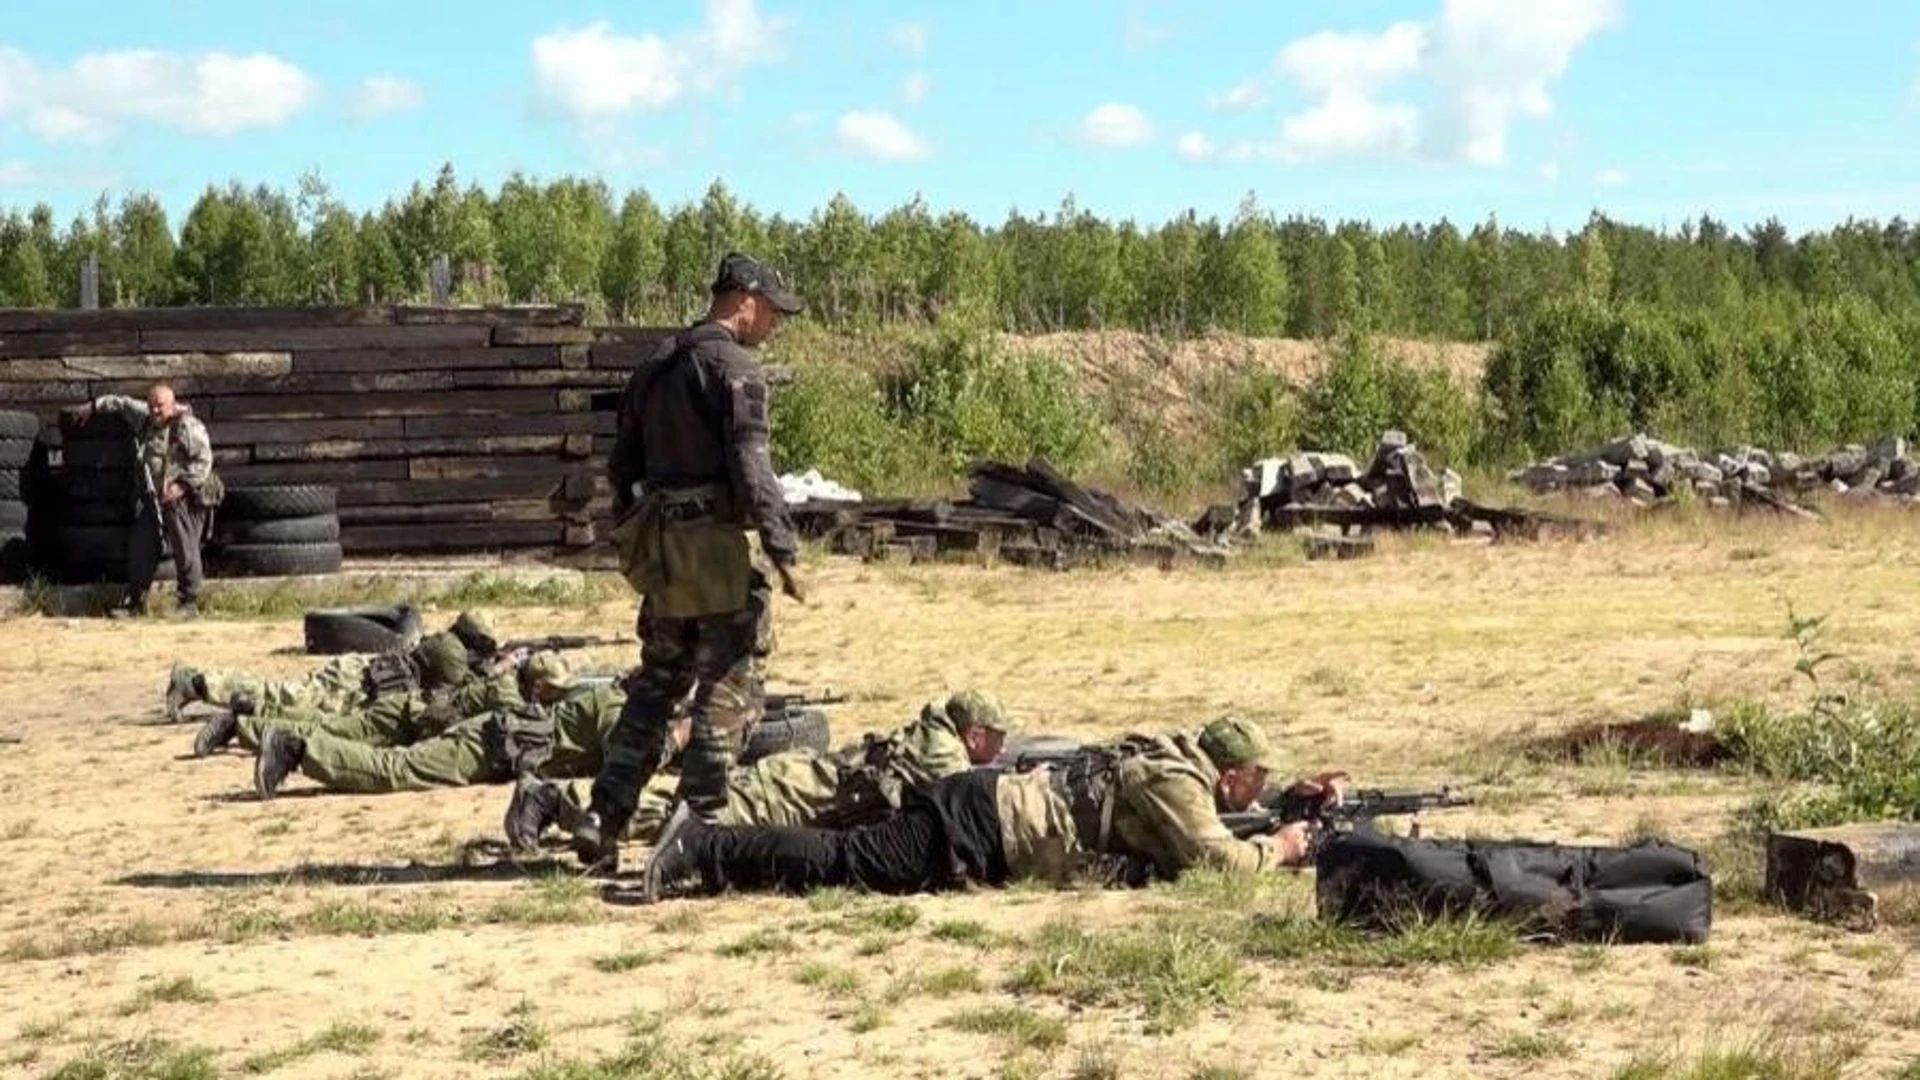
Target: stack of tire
x=373, y=629
x=274, y=531
x=86, y=496
x=18, y=431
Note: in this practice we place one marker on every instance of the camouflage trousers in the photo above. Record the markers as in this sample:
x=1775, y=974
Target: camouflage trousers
x=338, y=685
x=456, y=758
x=792, y=788
x=715, y=658
x=389, y=721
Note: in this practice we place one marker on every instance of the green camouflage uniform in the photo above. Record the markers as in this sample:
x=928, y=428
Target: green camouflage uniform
x=397, y=719
x=177, y=452
x=338, y=685
x=1163, y=809
x=484, y=748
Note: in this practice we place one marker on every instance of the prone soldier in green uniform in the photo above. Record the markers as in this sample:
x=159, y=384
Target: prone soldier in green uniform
x=862, y=782
x=1143, y=807
x=691, y=473
x=342, y=683
x=562, y=731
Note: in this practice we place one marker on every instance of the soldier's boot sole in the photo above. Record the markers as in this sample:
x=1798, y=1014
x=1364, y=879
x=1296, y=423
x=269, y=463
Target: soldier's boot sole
x=668, y=864
x=220, y=729
x=534, y=806
x=280, y=753
x=597, y=852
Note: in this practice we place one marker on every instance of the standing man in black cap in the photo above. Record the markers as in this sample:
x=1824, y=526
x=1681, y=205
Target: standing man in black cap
x=691, y=473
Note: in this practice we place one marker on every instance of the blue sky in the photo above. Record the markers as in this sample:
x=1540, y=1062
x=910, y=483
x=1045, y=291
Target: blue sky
x=1392, y=110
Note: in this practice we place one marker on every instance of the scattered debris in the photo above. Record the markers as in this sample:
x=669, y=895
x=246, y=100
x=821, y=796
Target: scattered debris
x=1647, y=472
x=1030, y=515
x=1688, y=744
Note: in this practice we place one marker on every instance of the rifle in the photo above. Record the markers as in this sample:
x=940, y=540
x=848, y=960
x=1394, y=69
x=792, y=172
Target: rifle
x=556, y=642
x=1356, y=810
x=776, y=704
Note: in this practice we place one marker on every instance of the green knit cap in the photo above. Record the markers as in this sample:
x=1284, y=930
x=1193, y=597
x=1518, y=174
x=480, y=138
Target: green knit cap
x=1235, y=740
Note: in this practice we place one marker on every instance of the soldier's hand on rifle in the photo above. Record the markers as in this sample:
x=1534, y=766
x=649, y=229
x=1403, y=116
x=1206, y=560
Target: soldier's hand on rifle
x=1322, y=786
x=790, y=583
x=1294, y=841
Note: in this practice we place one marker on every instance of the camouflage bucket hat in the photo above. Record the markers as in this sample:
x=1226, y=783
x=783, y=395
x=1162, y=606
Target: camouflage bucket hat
x=475, y=631
x=1234, y=740
x=549, y=668
x=971, y=708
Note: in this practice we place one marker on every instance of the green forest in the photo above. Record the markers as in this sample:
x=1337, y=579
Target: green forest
x=1702, y=333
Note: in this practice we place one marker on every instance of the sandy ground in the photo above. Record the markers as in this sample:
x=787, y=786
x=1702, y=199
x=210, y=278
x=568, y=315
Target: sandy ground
x=148, y=900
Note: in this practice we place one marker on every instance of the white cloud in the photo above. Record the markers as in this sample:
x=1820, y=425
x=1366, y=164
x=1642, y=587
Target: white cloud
x=1115, y=125
x=1348, y=124
x=383, y=94
x=1550, y=171
x=1611, y=177
x=1138, y=32
x=1247, y=95
x=881, y=136
x=212, y=93
x=15, y=172
x=1193, y=146
x=595, y=74
x=913, y=89
x=1484, y=64
x=911, y=36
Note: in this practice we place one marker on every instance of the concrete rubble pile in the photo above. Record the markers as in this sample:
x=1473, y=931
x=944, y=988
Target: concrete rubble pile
x=1398, y=489
x=1647, y=472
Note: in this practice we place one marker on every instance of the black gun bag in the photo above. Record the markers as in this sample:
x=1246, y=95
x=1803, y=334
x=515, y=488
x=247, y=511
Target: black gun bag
x=1651, y=892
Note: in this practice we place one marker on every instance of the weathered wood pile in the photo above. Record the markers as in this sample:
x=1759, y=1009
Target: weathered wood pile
x=442, y=429
x=1647, y=472
x=1397, y=490
x=1029, y=516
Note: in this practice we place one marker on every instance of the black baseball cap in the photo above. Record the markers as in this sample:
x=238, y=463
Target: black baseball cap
x=740, y=272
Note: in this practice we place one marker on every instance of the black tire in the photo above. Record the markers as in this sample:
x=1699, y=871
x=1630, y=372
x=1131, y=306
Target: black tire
x=276, y=501
x=332, y=631
x=118, y=512
x=275, y=560
x=96, y=485
x=13, y=517
x=105, y=454
x=798, y=729
x=16, y=557
x=14, y=452
x=18, y=425
x=10, y=485
x=83, y=544
x=98, y=427
x=318, y=529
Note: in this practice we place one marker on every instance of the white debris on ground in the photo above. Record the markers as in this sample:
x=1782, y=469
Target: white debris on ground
x=810, y=486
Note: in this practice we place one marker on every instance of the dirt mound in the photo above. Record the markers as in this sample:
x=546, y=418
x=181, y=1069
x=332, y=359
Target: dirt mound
x=1168, y=373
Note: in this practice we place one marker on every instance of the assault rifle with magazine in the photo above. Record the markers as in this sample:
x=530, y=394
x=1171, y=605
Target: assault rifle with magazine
x=1356, y=809
x=557, y=643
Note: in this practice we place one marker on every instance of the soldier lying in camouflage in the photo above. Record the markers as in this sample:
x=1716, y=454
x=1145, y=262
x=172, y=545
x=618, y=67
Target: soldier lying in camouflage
x=863, y=782
x=561, y=733
x=1144, y=807
x=344, y=682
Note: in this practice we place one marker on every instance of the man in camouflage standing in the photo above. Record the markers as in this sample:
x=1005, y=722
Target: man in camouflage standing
x=691, y=472
x=178, y=457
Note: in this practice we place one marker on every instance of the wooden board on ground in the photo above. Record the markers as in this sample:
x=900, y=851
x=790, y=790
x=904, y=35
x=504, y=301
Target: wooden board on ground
x=411, y=359
x=468, y=537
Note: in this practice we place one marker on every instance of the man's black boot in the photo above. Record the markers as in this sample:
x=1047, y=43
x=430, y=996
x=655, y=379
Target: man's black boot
x=243, y=704
x=534, y=806
x=671, y=863
x=596, y=843
x=281, y=752
x=220, y=729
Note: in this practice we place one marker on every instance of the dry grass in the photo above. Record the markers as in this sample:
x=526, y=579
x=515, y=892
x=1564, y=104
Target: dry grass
x=181, y=928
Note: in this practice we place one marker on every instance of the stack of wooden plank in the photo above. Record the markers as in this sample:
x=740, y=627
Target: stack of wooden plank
x=442, y=429
x=1031, y=516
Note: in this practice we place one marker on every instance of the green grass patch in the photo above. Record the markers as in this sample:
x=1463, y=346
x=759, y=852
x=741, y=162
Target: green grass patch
x=1533, y=1047
x=1172, y=971
x=554, y=899
x=1387, y=1045
x=760, y=942
x=178, y=990
x=1414, y=940
x=93, y=941
x=831, y=980
x=888, y=918
x=626, y=960
x=339, y=1038
x=964, y=932
x=522, y=1033
x=140, y=1059
x=1022, y=1028
x=653, y=1053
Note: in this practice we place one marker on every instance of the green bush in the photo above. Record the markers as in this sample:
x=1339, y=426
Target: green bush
x=1351, y=401
x=967, y=397
x=835, y=418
